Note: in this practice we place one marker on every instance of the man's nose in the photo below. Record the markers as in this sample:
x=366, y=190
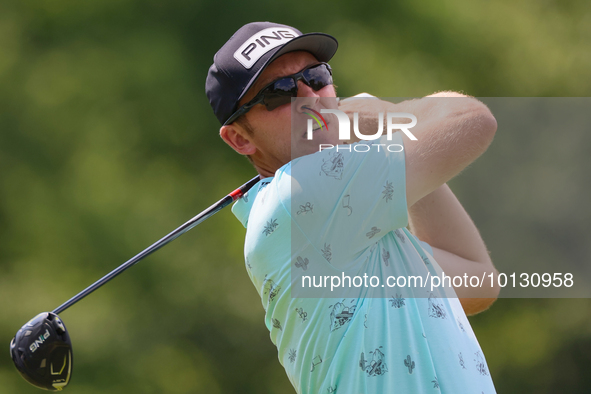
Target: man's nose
x=307, y=97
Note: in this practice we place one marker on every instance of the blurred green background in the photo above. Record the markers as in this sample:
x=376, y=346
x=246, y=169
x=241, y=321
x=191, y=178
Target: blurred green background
x=107, y=142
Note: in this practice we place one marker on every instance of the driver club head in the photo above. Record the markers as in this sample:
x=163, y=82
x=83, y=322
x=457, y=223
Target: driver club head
x=42, y=352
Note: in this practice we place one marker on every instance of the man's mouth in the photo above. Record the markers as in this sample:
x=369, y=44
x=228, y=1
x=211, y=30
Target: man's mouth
x=314, y=130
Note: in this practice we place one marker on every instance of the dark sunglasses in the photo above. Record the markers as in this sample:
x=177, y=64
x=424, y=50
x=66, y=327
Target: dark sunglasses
x=281, y=91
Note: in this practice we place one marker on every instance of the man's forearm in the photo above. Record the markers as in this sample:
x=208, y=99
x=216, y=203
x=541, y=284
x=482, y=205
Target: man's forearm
x=452, y=130
x=440, y=220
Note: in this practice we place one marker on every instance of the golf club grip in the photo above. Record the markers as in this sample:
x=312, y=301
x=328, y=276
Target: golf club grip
x=206, y=214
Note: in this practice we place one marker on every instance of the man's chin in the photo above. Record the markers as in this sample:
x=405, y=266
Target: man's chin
x=310, y=147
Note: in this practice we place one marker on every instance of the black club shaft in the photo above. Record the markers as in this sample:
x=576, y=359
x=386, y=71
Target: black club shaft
x=206, y=214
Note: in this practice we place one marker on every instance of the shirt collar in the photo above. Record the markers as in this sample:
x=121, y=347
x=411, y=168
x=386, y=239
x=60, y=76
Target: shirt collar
x=241, y=208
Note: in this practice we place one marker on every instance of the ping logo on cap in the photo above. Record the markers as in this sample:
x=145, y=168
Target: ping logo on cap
x=262, y=42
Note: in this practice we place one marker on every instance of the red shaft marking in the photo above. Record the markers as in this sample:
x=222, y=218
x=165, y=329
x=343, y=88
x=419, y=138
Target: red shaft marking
x=236, y=194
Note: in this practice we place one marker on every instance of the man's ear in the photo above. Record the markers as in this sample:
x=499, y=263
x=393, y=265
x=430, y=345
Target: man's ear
x=238, y=139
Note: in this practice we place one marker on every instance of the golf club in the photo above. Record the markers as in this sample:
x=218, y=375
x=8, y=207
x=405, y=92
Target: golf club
x=42, y=350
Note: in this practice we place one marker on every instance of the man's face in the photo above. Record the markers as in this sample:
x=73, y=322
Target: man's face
x=272, y=143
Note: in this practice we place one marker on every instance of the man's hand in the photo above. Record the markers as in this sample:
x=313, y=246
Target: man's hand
x=368, y=109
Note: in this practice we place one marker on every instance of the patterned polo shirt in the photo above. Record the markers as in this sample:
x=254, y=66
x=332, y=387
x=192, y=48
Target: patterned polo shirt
x=344, y=212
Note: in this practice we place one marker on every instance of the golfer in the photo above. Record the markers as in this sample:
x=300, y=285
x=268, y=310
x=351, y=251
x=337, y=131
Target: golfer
x=344, y=211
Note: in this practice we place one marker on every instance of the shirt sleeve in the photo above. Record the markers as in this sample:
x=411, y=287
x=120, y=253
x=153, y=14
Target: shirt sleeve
x=346, y=198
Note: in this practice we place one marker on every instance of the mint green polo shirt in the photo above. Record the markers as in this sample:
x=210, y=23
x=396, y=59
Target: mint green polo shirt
x=346, y=212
